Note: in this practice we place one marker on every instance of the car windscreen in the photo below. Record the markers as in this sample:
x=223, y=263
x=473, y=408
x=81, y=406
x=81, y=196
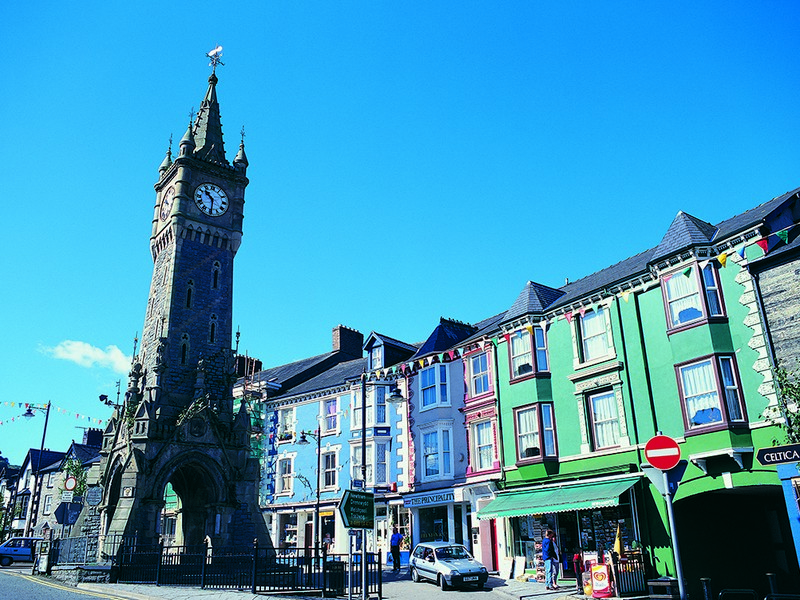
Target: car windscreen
x=451, y=553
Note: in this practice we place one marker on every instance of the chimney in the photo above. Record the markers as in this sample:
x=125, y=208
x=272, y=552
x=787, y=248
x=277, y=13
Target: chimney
x=348, y=341
x=93, y=437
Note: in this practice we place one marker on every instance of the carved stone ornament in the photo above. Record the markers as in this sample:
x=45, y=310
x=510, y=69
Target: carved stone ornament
x=197, y=427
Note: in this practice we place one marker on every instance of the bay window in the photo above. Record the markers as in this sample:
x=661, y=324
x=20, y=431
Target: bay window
x=436, y=453
x=483, y=454
x=691, y=296
x=710, y=393
x=528, y=352
x=594, y=335
x=535, y=432
x=433, y=383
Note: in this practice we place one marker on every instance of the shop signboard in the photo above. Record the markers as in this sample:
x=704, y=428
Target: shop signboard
x=662, y=452
x=779, y=455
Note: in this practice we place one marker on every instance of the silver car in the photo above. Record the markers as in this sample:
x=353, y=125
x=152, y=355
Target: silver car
x=446, y=564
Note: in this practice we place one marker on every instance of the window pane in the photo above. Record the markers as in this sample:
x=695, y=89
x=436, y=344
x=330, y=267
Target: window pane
x=480, y=374
x=428, y=384
x=446, y=450
x=541, y=349
x=527, y=433
x=443, y=384
x=731, y=389
x=683, y=299
x=548, y=430
x=484, y=445
x=430, y=445
x=700, y=394
x=521, y=358
x=712, y=293
x=605, y=423
x=594, y=334
x=380, y=405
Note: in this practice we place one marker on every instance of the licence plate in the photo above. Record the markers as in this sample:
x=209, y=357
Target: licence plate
x=470, y=579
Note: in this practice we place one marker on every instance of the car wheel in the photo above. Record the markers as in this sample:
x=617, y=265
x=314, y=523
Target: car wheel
x=414, y=575
x=443, y=583
x=6, y=561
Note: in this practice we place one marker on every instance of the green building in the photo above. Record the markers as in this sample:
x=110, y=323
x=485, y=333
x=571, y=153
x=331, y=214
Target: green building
x=668, y=341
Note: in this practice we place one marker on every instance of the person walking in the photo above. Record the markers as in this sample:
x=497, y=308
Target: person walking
x=394, y=546
x=550, y=557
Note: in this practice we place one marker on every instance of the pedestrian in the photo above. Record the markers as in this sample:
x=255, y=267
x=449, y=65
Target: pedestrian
x=550, y=557
x=394, y=545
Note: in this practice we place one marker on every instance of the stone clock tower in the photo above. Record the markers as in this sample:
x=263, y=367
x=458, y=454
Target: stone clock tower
x=177, y=430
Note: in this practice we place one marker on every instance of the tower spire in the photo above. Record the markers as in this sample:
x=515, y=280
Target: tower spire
x=208, y=126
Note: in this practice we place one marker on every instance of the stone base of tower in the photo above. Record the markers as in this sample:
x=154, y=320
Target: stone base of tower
x=205, y=461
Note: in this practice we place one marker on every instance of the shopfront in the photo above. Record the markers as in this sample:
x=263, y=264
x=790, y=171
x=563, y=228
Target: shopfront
x=586, y=518
x=439, y=517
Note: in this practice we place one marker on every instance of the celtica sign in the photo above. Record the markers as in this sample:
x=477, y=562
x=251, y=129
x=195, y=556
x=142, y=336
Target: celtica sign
x=779, y=455
x=358, y=509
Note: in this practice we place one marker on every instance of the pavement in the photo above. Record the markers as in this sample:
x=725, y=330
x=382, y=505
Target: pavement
x=502, y=589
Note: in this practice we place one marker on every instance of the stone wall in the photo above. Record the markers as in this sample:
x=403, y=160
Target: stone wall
x=780, y=292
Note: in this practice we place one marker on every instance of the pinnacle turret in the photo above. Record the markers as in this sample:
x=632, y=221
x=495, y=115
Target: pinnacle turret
x=208, y=127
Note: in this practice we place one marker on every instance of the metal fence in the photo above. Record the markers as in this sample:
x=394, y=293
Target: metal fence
x=86, y=550
x=256, y=569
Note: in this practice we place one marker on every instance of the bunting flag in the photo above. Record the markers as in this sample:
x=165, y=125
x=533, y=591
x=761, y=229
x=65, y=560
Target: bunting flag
x=582, y=310
x=495, y=340
x=63, y=411
x=529, y=329
x=668, y=277
x=763, y=244
x=568, y=317
x=722, y=258
x=784, y=235
x=543, y=324
x=687, y=272
x=704, y=263
x=625, y=295
x=741, y=251
x=441, y=357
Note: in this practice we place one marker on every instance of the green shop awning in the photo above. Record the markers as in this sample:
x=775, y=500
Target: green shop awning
x=569, y=497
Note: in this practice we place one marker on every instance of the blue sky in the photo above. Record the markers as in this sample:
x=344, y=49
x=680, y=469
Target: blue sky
x=407, y=161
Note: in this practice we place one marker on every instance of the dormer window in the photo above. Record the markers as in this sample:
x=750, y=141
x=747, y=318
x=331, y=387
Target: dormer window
x=691, y=296
x=376, y=357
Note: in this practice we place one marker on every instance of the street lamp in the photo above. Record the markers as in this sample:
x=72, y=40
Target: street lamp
x=303, y=441
x=29, y=414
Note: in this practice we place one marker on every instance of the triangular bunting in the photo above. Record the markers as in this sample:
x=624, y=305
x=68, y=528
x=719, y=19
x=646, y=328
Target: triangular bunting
x=529, y=329
x=687, y=272
x=723, y=259
x=568, y=317
x=763, y=243
x=741, y=250
x=625, y=295
x=784, y=235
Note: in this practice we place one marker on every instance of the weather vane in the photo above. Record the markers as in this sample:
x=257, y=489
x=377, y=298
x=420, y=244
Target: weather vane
x=216, y=58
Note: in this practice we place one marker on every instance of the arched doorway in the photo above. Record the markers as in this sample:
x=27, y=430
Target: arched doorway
x=188, y=514
x=113, y=498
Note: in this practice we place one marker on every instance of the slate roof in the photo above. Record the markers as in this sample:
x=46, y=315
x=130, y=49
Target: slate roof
x=485, y=328
x=48, y=458
x=336, y=375
x=686, y=231
x=533, y=299
x=394, y=342
x=447, y=334
x=283, y=373
x=639, y=263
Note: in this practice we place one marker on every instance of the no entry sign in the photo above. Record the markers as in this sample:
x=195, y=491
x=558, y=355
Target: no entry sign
x=662, y=452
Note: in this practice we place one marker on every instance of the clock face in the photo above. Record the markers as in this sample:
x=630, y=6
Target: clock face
x=211, y=199
x=166, y=202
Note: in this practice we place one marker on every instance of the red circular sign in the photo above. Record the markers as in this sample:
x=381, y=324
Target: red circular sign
x=662, y=452
x=70, y=483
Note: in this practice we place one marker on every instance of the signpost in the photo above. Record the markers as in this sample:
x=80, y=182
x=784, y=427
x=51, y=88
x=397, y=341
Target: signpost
x=663, y=453
x=70, y=483
x=358, y=509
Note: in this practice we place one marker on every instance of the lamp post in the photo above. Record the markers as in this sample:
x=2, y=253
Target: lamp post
x=393, y=398
x=37, y=486
x=303, y=441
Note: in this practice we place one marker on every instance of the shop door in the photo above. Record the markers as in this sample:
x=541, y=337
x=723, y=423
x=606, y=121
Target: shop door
x=493, y=536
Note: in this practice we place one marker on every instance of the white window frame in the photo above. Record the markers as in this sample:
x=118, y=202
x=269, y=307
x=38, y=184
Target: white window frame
x=584, y=357
x=330, y=418
x=475, y=376
x=373, y=447
x=50, y=479
x=287, y=424
x=609, y=420
x=376, y=357
x=475, y=428
x=326, y=469
x=284, y=481
x=437, y=376
x=48, y=504
x=443, y=451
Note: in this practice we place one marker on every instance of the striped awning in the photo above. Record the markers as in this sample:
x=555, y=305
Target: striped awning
x=569, y=497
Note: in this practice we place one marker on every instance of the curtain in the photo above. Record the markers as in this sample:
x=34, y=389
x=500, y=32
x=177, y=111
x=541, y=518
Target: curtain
x=431, y=453
x=683, y=299
x=521, y=354
x=700, y=394
x=605, y=420
x=483, y=442
x=527, y=432
x=595, y=341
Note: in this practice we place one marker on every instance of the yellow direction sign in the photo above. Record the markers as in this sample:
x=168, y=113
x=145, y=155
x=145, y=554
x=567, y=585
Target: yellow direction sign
x=358, y=509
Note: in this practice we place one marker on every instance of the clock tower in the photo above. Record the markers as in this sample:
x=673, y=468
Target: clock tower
x=176, y=433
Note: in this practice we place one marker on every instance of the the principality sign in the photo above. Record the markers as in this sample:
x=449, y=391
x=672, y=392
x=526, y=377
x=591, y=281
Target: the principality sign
x=358, y=509
x=779, y=455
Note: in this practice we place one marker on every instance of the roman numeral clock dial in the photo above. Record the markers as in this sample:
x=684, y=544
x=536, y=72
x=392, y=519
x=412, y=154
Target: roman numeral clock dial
x=211, y=199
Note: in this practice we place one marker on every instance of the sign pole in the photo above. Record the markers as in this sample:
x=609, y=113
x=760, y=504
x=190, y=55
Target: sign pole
x=674, y=535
